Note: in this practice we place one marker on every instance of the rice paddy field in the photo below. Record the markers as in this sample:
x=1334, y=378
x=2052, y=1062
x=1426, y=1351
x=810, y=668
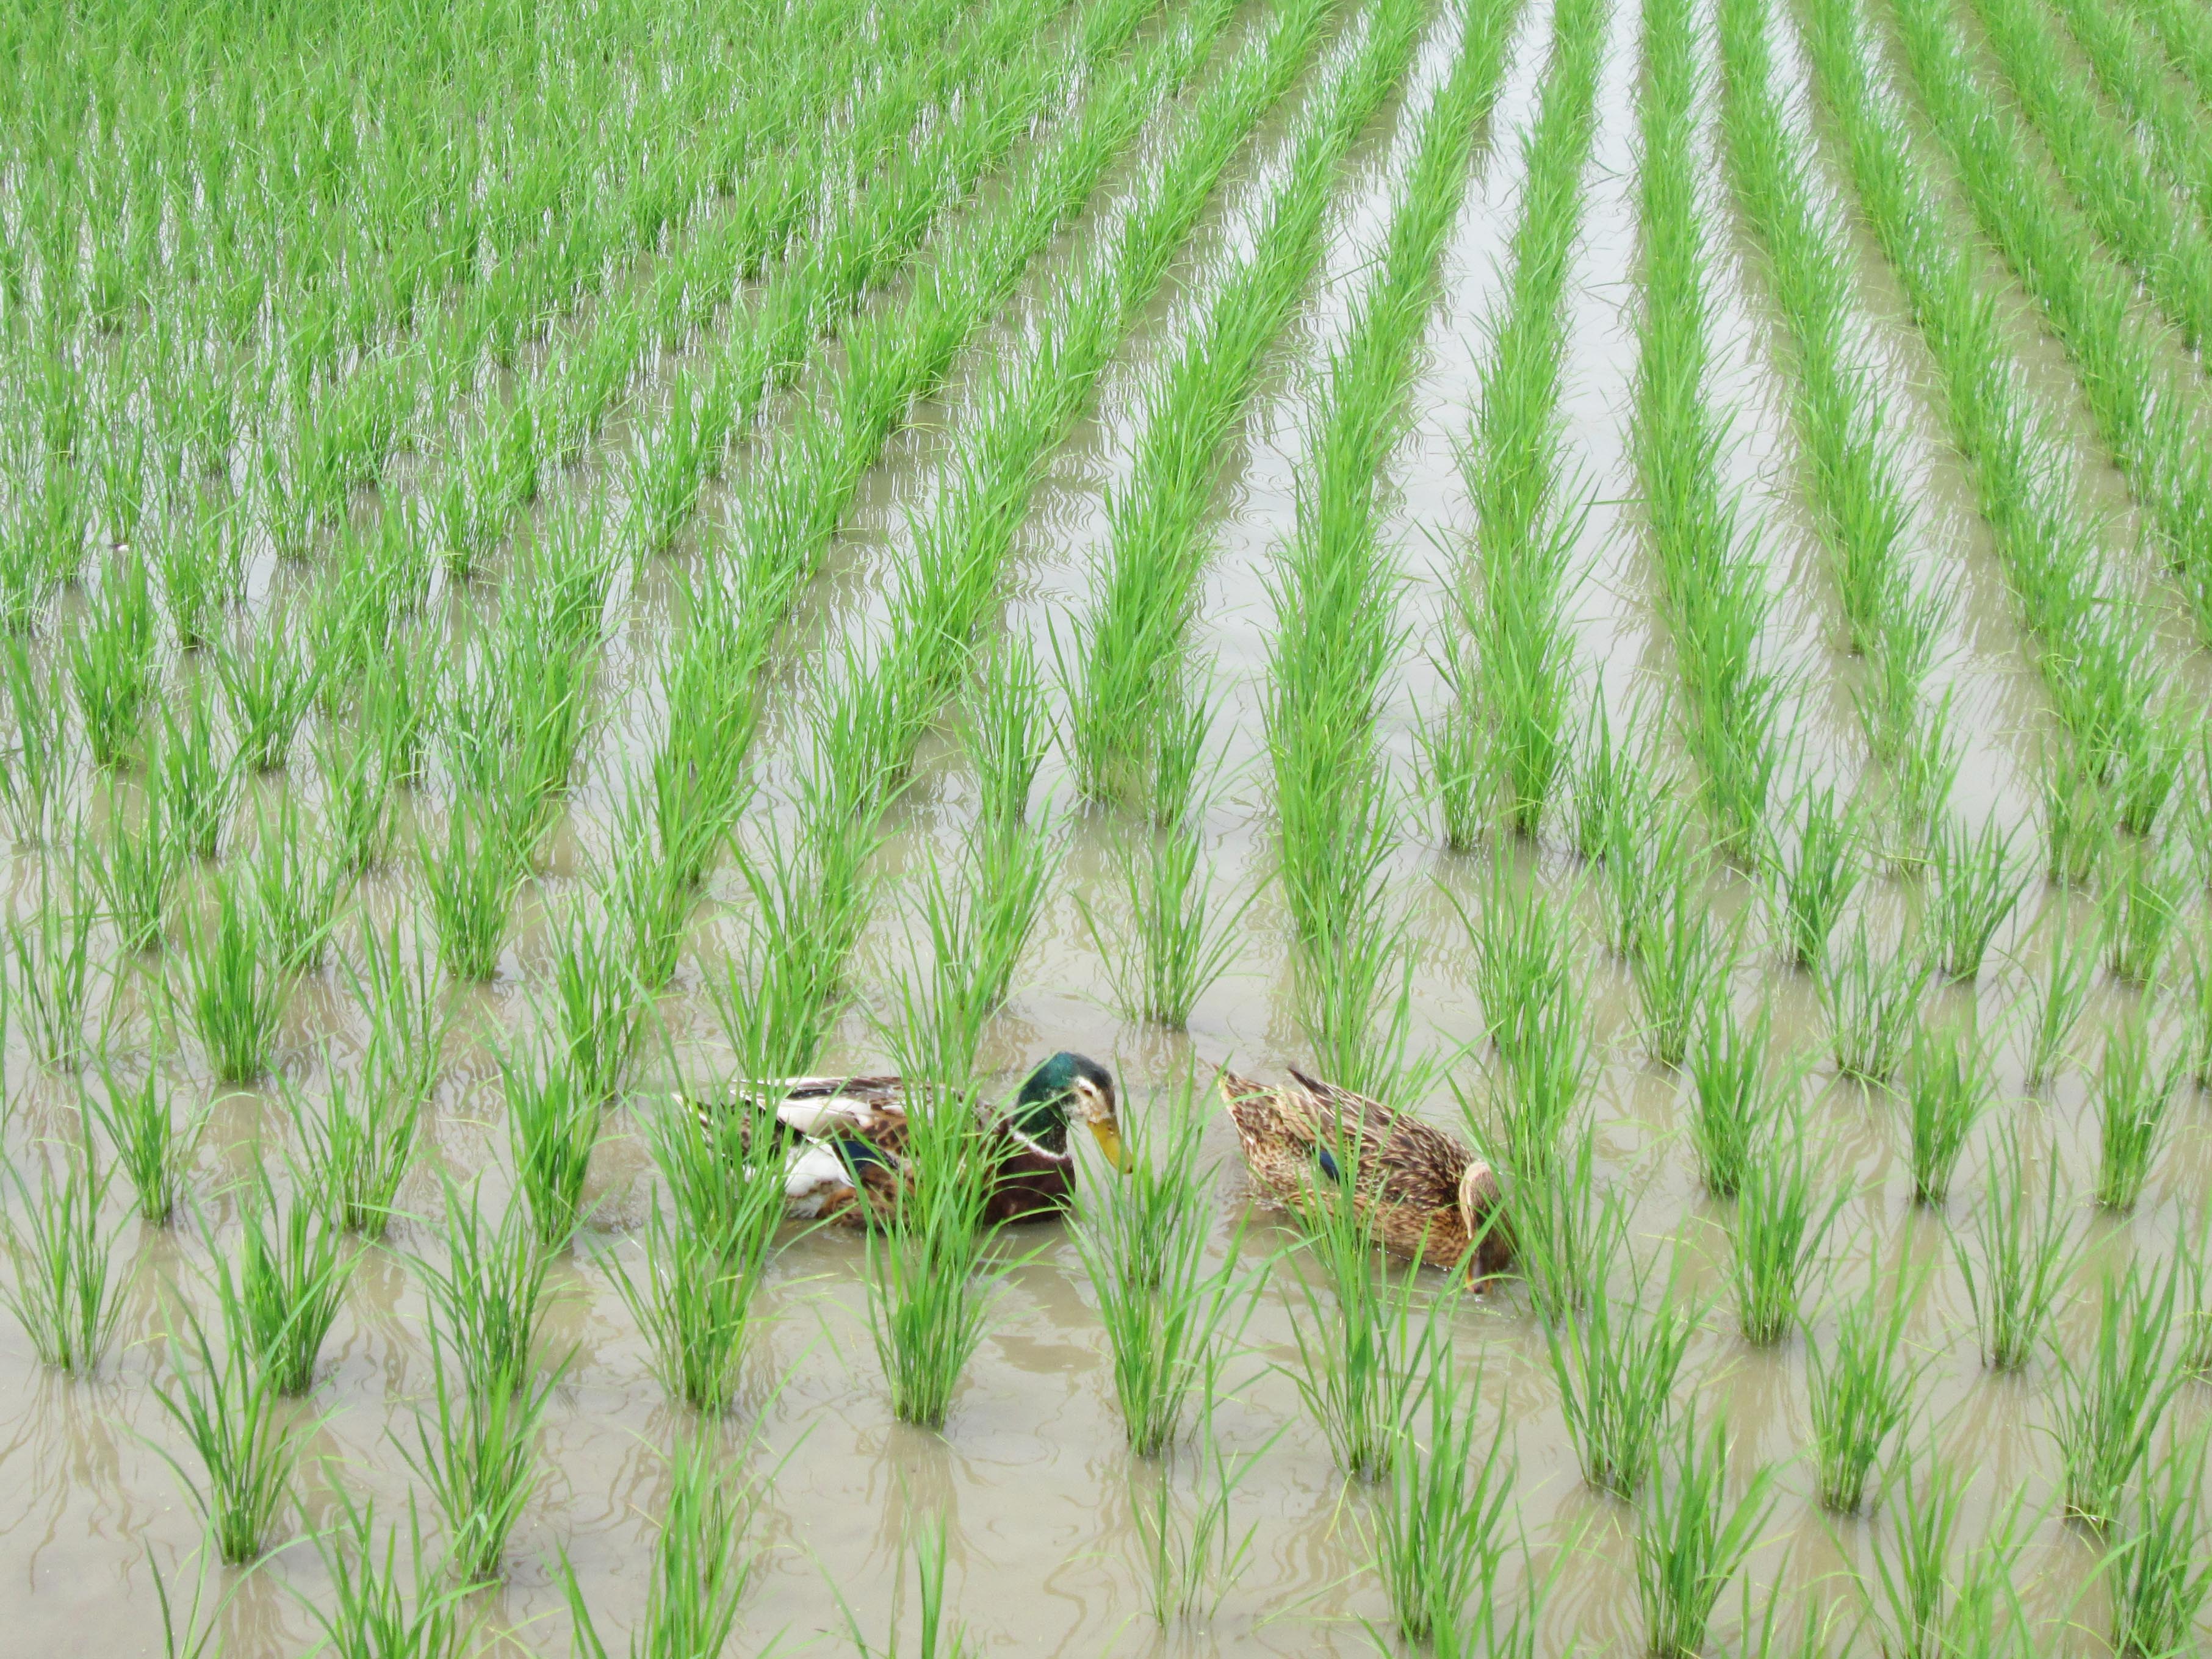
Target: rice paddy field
x=1630, y=578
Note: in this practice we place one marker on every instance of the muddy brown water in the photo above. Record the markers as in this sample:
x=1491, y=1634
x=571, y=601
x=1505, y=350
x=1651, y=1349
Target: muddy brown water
x=1030, y=1477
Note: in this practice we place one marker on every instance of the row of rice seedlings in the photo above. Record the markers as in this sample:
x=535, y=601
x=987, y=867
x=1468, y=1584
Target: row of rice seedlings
x=1513, y=687
x=1125, y=692
x=1336, y=631
x=2088, y=644
x=1713, y=584
x=2146, y=413
x=2156, y=1574
x=703, y=1561
x=1167, y=1314
x=1691, y=1537
x=1847, y=428
x=2131, y=67
x=63, y=1285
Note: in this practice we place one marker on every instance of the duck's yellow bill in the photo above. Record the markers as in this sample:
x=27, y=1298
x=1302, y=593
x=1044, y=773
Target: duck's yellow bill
x=1110, y=1142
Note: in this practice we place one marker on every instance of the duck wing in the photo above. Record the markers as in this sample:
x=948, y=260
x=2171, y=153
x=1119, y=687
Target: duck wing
x=1409, y=1161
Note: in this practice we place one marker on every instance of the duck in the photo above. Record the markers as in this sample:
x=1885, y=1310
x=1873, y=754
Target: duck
x=1427, y=1195
x=844, y=1139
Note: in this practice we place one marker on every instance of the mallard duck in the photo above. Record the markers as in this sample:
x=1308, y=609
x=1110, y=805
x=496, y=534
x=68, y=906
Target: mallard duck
x=1427, y=1195
x=845, y=1138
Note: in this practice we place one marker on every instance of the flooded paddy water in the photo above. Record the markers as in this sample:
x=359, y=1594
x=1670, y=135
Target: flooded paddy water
x=1046, y=1517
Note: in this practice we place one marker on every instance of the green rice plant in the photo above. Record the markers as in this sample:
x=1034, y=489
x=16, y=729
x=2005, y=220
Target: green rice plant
x=1361, y=1339
x=703, y=1563
x=472, y=880
x=476, y=1450
x=64, y=1288
x=1912, y=1558
x=1734, y=1097
x=598, y=1005
x=2057, y=1001
x=552, y=1129
x=152, y=1148
x=1817, y=879
x=2135, y=1094
x=1860, y=1392
x=2196, y=1015
x=1165, y=1313
x=2158, y=1572
x=1610, y=784
x=1691, y=1539
x=2015, y=1276
x=234, y=984
x=2109, y=1401
x=1683, y=959
x=1439, y=1526
x=200, y=564
x=2141, y=904
x=228, y=1409
x=136, y=868
x=398, y=992
x=939, y=1636
x=54, y=963
x=270, y=685
x=1615, y=1359
x=376, y=1611
x=34, y=767
x=294, y=1264
x=1872, y=1007
x=298, y=885
x=360, y=1147
x=1779, y=1227
x=195, y=788
x=2193, y=1314
x=399, y=707
x=978, y=925
x=490, y=1292
x=1948, y=1083
x=2075, y=818
x=1192, y=1560
x=1011, y=731
x=1179, y=940
x=1555, y=1206
x=705, y=1265
x=1648, y=857
x=111, y=664
x=357, y=799
x=1972, y=888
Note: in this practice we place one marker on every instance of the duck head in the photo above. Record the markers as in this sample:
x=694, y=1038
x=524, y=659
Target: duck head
x=1065, y=1082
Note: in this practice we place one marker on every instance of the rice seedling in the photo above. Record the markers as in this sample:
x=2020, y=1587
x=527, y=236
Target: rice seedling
x=1192, y=1560
x=1860, y=1392
x=1948, y=1083
x=2058, y=1000
x=1691, y=1539
x=1816, y=879
x=1439, y=1528
x=227, y=1407
x=2157, y=1573
x=1972, y=888
x=1872, y=1006
x=2108, y=1402
x=1683, y=959
x=476, y=1450
x=357, y=800
x=2013, y=1278
x=396, y=988
x=136, y=868
x=360, y=1147
x=552, y=1128
x=1615, y=1359
x=1734, y=1097
x=2196, y=1015
x=195, y=788
x=978, y=929
x=1912, y=1559
x=1165, y=1311
x=939, y=1636
x=200, y=564
x=54, y=963
x=2141, y=905
x=152, y=1149
x=2134, y=1093
x=1777, y=1228
x=1011, y=732
x=704, y=1266
x=63, y=1287
x=298, y=887
x=270, y=685
x=598, y=1005
x=376, y=1611
x=2075, y=817
x=489, y=1292
x=294, y=1264
x=33, y=768
x=702, y=1564
x=1179, y=940
x=234, y=985
x=398, y=707
x=472, y=880
x=111, y=664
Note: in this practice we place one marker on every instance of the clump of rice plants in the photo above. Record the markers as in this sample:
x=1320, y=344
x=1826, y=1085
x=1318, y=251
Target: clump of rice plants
x=2014, y=1276
x=1778, y=1228
x=377, y=1611
x=1912, y=1558
x=1165, y=1312
x=361, y=1146
x=1861, y=1390
x=2141, y=904
x=2134, y=1095
x=227, y=1406
x=294, y=1264
x=1972, y=888
x=1615, y=1359
x=111, y=662
x=1440, y=1523
x=54, y=964
x=473, y=879
x=1735, y=1096
x=299, y=887
x=1194, y=1555
x=599, y=1005
x=1948, y=1083
x=1691, y=1539
x=1872, y=1004
x=553, y=1127
x=271, y=684
x=703, y=1561
x=1179, y=938
x=195, y=785
x=136, y=867
x=1683, y=959
x=490, y=1292
x=2109, y=1401
x=2059, y=996
x=2158, y=1573
x=234, y=984
x=1815, y=879
x=153, y=1148
x=63, y=1286
x=476, y=1448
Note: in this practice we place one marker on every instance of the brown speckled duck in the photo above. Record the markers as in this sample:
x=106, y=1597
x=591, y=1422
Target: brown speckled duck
x=1427, y=1194
x=845, y=1139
